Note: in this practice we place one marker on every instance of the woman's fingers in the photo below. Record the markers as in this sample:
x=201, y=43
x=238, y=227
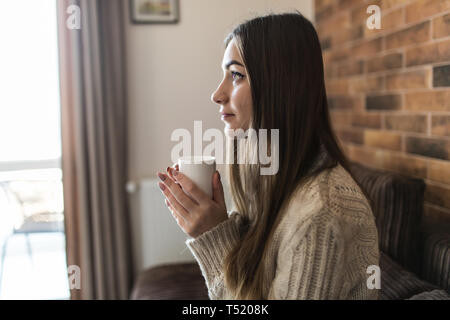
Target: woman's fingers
x=173, y=190
x=170, y=208
x=190, y=187
x=170, y=169
x=167, y=203
x=218, y=193
x=174, y=204
x=175, y=209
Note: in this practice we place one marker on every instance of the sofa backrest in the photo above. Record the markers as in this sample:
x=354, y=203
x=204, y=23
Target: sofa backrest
x=436, y=262
x=397, y=203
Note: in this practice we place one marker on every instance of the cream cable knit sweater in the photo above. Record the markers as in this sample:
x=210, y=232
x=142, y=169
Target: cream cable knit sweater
x=321, y=248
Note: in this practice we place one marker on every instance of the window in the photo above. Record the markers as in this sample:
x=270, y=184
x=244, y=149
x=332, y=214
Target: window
x=32, y=242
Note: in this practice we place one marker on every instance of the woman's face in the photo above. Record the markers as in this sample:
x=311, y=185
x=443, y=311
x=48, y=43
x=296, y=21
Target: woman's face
x=234, y=94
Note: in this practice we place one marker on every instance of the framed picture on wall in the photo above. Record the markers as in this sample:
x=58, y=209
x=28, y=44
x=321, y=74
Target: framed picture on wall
x=154, y=11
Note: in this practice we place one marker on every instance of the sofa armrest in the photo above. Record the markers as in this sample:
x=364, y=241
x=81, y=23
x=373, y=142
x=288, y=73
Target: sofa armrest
x=176, y=281
x=397, y=203
x=436, y=260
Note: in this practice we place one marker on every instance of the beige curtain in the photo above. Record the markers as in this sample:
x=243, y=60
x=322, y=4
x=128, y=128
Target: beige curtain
x=94, y=139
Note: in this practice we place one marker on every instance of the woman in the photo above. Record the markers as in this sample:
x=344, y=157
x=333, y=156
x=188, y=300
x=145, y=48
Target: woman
x=306, y=232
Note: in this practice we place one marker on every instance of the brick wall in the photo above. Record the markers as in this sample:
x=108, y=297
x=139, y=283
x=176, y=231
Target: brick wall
x=389, y=89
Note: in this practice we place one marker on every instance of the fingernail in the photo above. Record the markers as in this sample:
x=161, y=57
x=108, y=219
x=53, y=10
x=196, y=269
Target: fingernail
x=162, y=186
x=161, y=176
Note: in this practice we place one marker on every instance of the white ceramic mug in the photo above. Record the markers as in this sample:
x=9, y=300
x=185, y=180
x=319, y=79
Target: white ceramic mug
x=200, y=170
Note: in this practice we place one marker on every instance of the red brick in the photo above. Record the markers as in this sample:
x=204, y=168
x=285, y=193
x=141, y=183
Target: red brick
x=350, y=135
x=323, y=14
x=326, y=57
x=405, y=164
x=337, y=86
x=330, y=70
x=382, y=139
x=407, y=122
x=366, y=48
x=440, y=125
x=386, y=62
x=343, y=146
x=409, y=80
x=366, y=84
x=337, y=55
x=340, y=119
x=339, y=21
x=439, y=171
x=344, y=103
x=350, y=68
x=388, y=4
x=429, y=53
x=325, y=43
x=428, y=100
x=428, y=147
x=441, y=26
x=421, y=9
x=441, y=76
x=411, y=35
x=346, y=35
x=322, y=4
x=347, y=4
x=384, y=102
x=368, y=157
x=366, y=120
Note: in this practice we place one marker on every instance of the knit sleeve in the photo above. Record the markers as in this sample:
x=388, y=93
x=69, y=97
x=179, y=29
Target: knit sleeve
x=312, y=263
x=210, y=250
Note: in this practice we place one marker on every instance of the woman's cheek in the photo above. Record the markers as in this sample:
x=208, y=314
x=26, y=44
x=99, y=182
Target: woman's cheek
x=241, y=105
x=243, y=99
x=247, y=109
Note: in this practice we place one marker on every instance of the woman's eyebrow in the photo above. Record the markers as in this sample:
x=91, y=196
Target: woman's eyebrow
x=228, y=64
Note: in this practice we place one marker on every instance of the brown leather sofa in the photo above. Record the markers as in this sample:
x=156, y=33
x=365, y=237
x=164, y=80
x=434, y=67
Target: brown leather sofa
x=414, y=257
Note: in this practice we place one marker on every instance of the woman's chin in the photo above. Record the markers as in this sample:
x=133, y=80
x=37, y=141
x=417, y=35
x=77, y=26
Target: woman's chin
x=231, y=130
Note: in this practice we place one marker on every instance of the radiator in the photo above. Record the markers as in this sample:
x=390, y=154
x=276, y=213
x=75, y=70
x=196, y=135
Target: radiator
x=156, y=235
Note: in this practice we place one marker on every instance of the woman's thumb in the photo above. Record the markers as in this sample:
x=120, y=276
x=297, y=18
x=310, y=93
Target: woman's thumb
x=218, y=195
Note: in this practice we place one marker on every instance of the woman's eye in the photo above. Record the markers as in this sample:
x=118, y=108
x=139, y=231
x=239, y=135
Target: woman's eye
x=236, y=75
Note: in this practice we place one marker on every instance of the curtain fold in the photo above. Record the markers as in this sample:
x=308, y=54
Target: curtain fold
x=94, y=147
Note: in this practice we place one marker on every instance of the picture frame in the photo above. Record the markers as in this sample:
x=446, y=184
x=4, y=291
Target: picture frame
x=154, y=11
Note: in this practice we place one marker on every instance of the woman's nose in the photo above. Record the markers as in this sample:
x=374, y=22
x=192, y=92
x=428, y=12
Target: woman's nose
x=218, y=96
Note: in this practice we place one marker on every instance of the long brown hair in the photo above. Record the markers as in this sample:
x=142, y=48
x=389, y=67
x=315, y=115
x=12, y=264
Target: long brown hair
x=283, y=58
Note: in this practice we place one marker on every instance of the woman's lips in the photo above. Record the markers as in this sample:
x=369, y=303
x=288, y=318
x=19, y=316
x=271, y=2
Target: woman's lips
x=227, y=116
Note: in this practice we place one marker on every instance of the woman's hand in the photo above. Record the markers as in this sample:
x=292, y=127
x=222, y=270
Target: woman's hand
x=195, y=213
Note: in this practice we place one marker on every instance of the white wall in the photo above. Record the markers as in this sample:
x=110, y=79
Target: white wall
x=172, y=71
